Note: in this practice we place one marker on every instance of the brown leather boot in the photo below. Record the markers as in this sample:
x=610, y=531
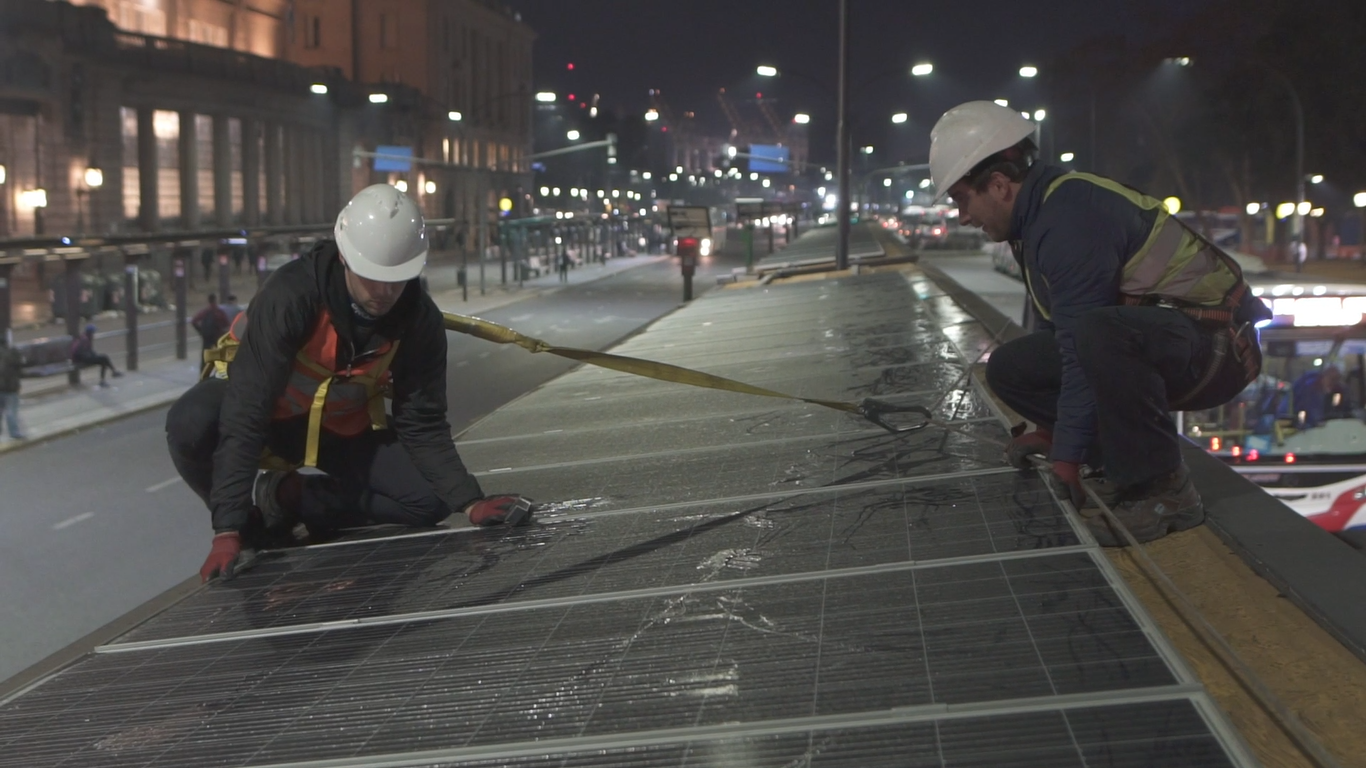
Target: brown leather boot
x=1164, y=506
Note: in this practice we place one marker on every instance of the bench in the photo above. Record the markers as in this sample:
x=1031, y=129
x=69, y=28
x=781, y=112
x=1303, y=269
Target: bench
x=45, y=357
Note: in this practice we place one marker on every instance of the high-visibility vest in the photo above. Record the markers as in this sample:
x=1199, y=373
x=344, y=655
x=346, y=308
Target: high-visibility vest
x=344, y=400
x=1174, y=264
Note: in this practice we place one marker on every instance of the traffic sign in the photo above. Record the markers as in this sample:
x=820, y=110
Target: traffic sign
x=690, y=220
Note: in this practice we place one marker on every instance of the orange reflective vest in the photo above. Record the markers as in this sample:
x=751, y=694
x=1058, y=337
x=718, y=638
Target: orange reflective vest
x=344, y=400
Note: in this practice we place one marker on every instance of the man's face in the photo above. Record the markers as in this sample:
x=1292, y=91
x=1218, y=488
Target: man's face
x=989, y=209
x=373, y=296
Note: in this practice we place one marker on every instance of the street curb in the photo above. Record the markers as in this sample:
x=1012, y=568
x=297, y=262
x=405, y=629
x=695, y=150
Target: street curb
x=150, y=403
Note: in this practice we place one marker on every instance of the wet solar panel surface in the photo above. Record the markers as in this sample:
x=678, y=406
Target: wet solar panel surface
x=714, y=580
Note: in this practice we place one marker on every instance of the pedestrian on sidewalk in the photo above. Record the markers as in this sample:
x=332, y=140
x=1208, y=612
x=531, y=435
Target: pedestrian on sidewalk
x=206, y=261
x=303, y=376
x=11, y=365
x=1138, y=316
x=210, y=323
x=563, y=263
x=83, y=355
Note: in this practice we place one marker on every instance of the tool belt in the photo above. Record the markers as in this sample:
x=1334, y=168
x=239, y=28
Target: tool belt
x=1235, y=353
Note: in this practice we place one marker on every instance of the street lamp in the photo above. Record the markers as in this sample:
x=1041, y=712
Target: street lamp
x=379, y=98
x=801, y=118
x=429, y=187
x=454, y=116
x=318, y=88
x=1359, y=199
x=1039, y=115
x=651, y=115
x=1253, y=209
x=545, y=97
x=94, y=177
x=920, y=70
x=1028, y=71
x=1316, y=179
x=899, y=118
x=1067, y=157
x=1002, y=102
x=572, y=135
x=763, y=70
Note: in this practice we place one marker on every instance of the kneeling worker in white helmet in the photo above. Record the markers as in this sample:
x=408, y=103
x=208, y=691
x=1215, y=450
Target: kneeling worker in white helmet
x=301, y=379
x=1136, y=316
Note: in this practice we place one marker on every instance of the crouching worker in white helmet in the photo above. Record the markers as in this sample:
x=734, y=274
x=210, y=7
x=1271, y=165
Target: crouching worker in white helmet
x=301, y=379
x=1135, y=316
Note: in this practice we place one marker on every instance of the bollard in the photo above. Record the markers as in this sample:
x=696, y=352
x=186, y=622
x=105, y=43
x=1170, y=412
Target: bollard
x=73, y=310
x=770, y=236
x=181, y=297
x=130, y=310
x=749, y=248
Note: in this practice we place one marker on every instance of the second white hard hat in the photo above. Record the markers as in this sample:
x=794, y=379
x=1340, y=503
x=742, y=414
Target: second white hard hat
x=382, y=236
x=968, y=134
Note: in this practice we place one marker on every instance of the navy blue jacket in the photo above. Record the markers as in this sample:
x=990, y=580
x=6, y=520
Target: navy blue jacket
x=1073, y=250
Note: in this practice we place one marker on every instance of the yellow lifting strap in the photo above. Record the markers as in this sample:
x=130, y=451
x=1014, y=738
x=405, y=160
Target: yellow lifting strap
x=870, y=409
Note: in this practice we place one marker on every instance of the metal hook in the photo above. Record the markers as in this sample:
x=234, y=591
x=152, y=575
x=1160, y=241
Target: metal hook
x=874, y=410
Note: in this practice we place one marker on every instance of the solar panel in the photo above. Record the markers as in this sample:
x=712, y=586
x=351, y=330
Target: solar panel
x=713, y=580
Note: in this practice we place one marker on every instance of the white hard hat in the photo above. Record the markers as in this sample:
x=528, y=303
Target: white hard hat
x=968, y=134
x=381, y=235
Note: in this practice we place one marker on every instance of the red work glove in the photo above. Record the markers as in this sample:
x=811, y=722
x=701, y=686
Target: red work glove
x=222, y=557
x=1068, y=473
x=1021, y=447
x=500, y=510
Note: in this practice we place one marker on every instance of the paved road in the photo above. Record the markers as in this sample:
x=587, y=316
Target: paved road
x=97, y=523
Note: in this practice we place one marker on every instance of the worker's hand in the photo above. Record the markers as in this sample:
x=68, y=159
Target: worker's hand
x=1021, y=447
x=500, y=510
x=222, y=557
x=1068, y=474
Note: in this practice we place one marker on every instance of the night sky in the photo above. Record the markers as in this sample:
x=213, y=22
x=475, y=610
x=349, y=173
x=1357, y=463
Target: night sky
x=690, y=48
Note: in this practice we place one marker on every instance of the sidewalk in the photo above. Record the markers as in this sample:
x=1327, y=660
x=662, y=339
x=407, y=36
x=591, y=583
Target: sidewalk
x=50, y=408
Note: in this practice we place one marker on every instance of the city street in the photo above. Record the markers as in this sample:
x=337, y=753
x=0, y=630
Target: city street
x=98, y=522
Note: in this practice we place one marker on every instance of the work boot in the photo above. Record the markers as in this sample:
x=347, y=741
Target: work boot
x=1150, y=512
x=277, y=496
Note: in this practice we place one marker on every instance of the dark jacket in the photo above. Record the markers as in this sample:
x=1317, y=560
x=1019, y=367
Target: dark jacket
x=280, y=321
x=11, y=364
x=1072, y=251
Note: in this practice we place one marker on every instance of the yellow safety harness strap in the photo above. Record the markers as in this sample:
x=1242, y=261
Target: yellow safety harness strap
x=315, y=422
x=870, y=409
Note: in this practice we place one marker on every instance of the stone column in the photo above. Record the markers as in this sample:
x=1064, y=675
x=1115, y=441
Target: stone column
x=149, y=214
x=295, y=153
x=222, y=171
x=189, y=172
x=275, y=212
x=251, y=173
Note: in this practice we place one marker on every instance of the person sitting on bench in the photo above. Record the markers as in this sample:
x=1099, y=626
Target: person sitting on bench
x=83, y=355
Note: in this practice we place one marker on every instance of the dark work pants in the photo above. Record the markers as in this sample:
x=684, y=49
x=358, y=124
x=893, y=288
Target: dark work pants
x=369, y=478
x=1137, y=360
x=93, y=359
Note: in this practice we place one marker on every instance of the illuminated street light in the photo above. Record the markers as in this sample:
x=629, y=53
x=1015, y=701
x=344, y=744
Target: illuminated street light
x=925, y=183
x=1284, y=210
x=318, y=88
x=801, y=118
x=33, y=198
x=730, y=151
x=1253, y=208
x=1316, y=212
x=1002, y=102
x=646, y=175
x=754, y=177
x=429, y=187
x=401, y=185
x=545, y=97
x=1028, y=71
x=1067, y=157
x=545, y=191
x=556, y=191
x=94, y=177
x=868, y=150
x=767, y=183
x=886, y=182
x=673, y=177
x=572, y=135
x=454, y=116
x=651, y=115
x=899, y=118
x=379, y=98
x=763, y=70
x=1172, y=204
x=920, y=70
x=1359, y=199
x=1039, y=115
x=1304, y=207
x=2, y=174
x=1316, y=179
